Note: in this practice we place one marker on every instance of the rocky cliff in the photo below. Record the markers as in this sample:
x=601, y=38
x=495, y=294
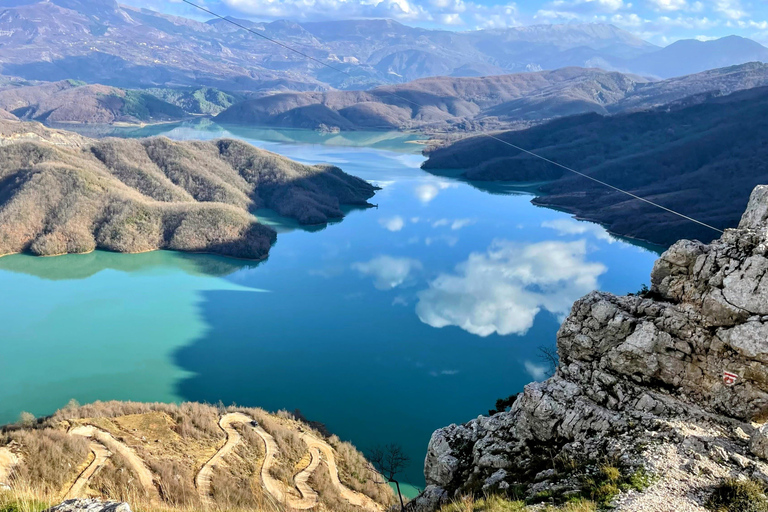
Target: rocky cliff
x=671, y=385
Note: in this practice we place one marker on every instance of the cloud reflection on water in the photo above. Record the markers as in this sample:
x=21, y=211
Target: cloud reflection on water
x=503, y=289
x=388, y=272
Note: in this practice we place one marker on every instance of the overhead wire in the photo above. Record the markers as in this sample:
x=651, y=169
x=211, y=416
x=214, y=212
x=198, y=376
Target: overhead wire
x=491, y=136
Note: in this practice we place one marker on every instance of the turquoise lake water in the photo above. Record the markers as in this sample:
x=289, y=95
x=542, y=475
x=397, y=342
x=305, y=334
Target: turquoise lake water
x=384, y=326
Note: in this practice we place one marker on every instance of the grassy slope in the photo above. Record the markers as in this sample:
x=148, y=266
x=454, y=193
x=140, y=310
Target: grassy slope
x=142, y=195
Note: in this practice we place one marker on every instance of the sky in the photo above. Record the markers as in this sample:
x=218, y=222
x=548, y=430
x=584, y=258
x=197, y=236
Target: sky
x=658, y=21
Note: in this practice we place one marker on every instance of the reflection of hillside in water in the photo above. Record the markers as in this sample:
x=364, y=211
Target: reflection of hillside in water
x=206, y=128
x=82, y=266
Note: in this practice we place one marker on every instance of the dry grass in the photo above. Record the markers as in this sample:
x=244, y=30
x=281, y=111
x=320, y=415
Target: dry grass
x=356, y=473
x=117, y=481
x=496, y=503
x=51, y=458
x=174, y=441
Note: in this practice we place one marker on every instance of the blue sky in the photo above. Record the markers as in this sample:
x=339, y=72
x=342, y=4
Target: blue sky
x=658, y=21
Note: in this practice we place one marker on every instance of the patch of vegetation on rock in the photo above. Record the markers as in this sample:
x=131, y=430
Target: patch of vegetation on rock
x=735, y=495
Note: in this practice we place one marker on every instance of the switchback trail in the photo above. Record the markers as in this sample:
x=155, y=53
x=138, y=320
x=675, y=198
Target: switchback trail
x=100, y=456
x=319, y=451
x=115, y=446
x=204, y=476
x=355, y=498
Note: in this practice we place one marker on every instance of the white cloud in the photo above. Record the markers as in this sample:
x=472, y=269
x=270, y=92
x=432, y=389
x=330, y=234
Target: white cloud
x=502, y=290
x=669, y=5
x=566, y=227
x=388, y=272
x=731, y=9
x=445, y=12
x=395, y=223
x=537, y=371
x=462, y=223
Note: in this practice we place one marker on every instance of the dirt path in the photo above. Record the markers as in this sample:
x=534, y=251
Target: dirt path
x=204, y=476
x=115, y=446
x=319, y=451
x=8, y=460
x=100, y=456
x=353, y=497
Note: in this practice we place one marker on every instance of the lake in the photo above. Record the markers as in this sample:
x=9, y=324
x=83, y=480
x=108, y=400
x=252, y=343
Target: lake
x=387, y=325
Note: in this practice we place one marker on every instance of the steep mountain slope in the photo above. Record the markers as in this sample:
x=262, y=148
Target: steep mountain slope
x=702, y=160
x=63, y=193
x=658, y=403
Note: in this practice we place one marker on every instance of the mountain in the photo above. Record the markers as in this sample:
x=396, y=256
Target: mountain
x=63, y=193
x=100, y=41
x=70, y=101
x=657, y=401
x=692, y=56
x=494, y=102
x=701, y=160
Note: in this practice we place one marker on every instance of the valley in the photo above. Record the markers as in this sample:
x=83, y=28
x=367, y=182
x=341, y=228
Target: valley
x=376, y=219
x=370, y=301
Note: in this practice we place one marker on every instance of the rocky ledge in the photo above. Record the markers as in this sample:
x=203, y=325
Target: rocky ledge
x=670, y=386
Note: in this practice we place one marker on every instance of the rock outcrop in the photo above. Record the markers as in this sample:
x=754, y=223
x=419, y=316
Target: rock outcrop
x=90, y=505
x=672, y=384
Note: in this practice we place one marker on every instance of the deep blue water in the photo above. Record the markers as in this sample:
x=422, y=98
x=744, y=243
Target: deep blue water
x=384, y=326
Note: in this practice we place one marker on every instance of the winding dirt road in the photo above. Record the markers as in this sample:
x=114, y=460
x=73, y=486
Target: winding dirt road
x=204, y=476
x=100, y=456
x=355, y=498
x=115, y=446
x=319, y=451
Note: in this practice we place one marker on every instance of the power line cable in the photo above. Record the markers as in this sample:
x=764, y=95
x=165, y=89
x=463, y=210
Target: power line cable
x=491, y=136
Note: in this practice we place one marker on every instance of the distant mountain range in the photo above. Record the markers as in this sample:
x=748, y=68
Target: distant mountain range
x=466, y=104
x=701, y=159
x=100, y=41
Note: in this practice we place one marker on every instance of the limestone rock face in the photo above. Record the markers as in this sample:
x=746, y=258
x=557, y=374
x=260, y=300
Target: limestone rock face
x=681, y=371
x=90, y=505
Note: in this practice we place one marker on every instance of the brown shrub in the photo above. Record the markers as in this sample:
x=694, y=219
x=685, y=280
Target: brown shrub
x=51, y=458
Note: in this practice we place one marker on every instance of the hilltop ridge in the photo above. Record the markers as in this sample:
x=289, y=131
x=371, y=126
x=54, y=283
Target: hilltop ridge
x=64, y=193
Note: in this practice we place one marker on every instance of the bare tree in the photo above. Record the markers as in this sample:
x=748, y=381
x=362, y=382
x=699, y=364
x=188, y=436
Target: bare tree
x=550, y=356
x=388, y=462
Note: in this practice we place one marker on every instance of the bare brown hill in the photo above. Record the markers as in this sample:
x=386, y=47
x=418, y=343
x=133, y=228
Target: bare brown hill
x=486, y=103
x=63, y=193
x=69, y=101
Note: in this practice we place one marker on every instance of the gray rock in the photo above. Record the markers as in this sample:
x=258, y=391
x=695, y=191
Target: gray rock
x=758, y=443
x=638, y=372
x=90, y=505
